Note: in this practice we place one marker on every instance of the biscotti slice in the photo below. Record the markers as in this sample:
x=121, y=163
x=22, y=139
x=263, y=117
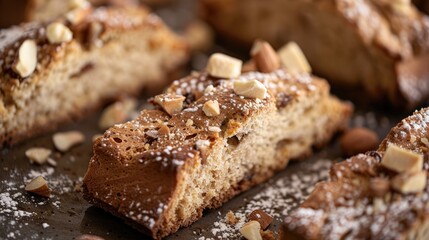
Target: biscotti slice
x=380, y=46
x=53, y=72
x=210, y=139
x=376, y=195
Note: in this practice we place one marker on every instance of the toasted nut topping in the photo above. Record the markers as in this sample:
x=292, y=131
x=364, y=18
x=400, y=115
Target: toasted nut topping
x=26, y=62
x=358, y=140
x=58, y=33
x=78, y=4
x=223, y=66
x=250, y=88
x=164, y=130
x=214, y=129
x=209, y=89
x=409, y=182
x=189, y=122
x=292, y=57
x=38, y=186
x=171, y=103
x=38, y=155
x=251, y=230
x=262, y=217
x=402, y=160
x=264, y=56
x=66, y=140
x=211, y=108
x=117, y=112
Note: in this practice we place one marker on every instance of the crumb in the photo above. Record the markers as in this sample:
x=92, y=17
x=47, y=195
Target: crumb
x=231, y=219
x=268, y=235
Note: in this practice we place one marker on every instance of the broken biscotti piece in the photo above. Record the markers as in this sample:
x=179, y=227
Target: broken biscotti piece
x=369, y=196
x=54, y=72
x=381, y=46
x=221, y=141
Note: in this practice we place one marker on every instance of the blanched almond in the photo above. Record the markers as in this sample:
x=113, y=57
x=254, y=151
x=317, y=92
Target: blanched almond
x=251, y=230
x=250, y=88
x=117, y=112
x=211, y=108
x=292, y=57
x=66, y=140
x=58, y=33
x=410, y=182
x=73, y=4
x=223, y=66
x=26, y=62
x=38, y=186
x=402, y=160
x=171, y=103
x=38, y=155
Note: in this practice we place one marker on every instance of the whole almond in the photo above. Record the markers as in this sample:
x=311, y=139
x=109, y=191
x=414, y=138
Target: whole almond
x=358, y=140
x=264, y=56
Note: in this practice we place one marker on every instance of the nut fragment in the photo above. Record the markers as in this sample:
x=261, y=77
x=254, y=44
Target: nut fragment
x=171, y=103
x=38, y=155
x=250, y=88
x=251, y=230
x=66, y=140
x=402, y=160
x=409, y=182
x=78, y=4
x=58, y=33
x=117, y=112
x=38, y=186
x=292, y=57
x=189, y=122
x=223, y=66
x=26, y=62
x=211, y=108
x=264, y=56
x=209, y=89
x=358, y=140
x=164, y=130
x=77, y=15
x=262, y=217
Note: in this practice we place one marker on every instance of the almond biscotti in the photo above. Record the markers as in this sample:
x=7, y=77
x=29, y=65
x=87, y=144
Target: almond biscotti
x=213, y=135
x=376, y=195
x=381, y=46
x=56, y=71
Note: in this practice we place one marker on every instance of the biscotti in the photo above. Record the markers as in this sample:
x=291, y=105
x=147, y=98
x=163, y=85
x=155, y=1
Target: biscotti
x=377, y=195
x=56, y=71
x=209, y=139
x=379, y=46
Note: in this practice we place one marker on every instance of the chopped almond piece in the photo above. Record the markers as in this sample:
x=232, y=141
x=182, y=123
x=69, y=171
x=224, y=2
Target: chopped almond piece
x=264, y=56
x=26, y=62
x=250, y=88
x=211, y=108
x=58, y=33
x=66, y=140
x=38, y=186
x=38, y=155
x=251, y=230
x=292, y=57
x=402, y=160
x=164, y=130
x=409, y=182
x=117, y=112
x=171, y=103
x=223, y=66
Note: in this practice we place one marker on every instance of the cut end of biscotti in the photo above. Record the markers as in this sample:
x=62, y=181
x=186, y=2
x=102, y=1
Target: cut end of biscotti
x=223, y=66
x=293, y=59
x=402, y=160
x=38, y=186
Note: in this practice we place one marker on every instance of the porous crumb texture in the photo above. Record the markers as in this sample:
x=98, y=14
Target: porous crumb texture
x=164, y=182
x=114, y=51
x=385, y=46
x=346, y=208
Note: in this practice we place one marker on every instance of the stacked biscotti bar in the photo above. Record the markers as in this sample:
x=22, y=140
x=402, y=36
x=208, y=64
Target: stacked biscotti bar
x=379, y=46
x=211, y=136
x=55, y=71
x=377, y=195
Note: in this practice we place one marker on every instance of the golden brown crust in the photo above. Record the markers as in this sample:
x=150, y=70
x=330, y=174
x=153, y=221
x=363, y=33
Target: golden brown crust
x=129, y=154
x=348, y=206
